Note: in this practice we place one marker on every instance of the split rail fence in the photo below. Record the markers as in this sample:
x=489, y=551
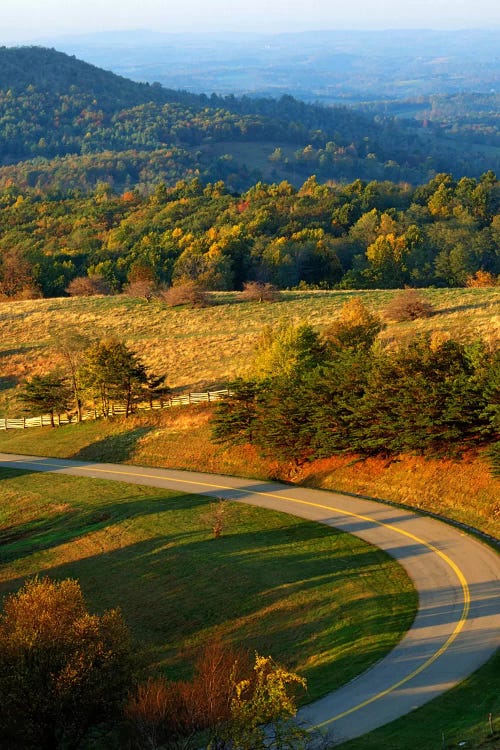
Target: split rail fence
x=45, y=420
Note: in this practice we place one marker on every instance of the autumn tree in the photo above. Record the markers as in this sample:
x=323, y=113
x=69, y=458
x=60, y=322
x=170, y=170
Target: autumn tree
x=62, y=670
x=354, y=328
x=258, y=291
x=409, y=304
x=88, y=286
x=237, y=705
x=71, y=346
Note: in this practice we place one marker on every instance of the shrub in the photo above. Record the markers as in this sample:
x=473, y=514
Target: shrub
x=141, y=288
x=481, y=279
x=256, y=291
x=409, y=305
x=237, y=704
x=62, y=670
x=187, y=293
x=88, y=286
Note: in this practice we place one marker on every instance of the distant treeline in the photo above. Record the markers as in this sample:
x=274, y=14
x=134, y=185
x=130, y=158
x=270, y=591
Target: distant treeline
x=360, y=235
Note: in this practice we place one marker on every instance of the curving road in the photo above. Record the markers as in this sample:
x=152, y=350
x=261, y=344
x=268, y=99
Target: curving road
x=457, y=626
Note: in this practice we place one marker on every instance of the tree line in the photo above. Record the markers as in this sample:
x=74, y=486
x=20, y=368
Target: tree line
x=360, y=235
x=313, y=396
x=53, y=106
x=101, y=373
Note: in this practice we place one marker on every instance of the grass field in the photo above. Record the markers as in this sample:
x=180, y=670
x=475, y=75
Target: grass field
x=323, y=602
x=180, y=438
x=206, y=348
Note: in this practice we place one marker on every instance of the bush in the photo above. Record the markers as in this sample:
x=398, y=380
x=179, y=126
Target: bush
x=237, y=704
x=256, y=291
x=409, y=305
x=481, y=279
x=87, y=286
x=188, y=293
x=141, y=288
x=355, y=328
x=62, y=670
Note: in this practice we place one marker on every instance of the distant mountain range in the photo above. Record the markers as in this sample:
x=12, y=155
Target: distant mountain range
x=67, y=124
x=326, y=66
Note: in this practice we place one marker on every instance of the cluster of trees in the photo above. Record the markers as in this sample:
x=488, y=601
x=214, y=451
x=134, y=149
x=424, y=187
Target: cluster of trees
x=313, y=396
x=360, y=235
x=65, y=673
x=104, y=372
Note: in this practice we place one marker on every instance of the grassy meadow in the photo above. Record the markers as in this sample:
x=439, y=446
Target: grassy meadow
x=204, y=348
x=325, y=603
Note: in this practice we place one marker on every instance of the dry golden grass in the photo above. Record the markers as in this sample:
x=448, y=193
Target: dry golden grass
x=205, y=348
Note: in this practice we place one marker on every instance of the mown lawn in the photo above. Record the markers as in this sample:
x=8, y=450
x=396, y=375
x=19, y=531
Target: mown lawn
x=324, y=603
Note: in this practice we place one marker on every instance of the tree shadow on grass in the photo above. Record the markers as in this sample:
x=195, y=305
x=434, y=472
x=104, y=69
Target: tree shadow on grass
x=176, y=590
x=79, y=518
x=116, y=448
x=459, y=308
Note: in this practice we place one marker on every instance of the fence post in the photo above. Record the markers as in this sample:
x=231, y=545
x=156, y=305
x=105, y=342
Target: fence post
x=24, y=423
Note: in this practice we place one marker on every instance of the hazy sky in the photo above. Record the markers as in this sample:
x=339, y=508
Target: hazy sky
x=23, y=20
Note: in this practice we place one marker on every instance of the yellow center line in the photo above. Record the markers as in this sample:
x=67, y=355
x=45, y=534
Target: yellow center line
x=454, y=567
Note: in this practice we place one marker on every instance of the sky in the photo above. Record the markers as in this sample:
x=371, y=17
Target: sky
x=30, y=20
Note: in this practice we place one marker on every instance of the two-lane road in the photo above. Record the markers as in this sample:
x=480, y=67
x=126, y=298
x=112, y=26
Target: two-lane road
x=457, y=626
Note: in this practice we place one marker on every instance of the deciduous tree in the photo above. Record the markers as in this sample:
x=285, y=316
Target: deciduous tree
x=62, y=670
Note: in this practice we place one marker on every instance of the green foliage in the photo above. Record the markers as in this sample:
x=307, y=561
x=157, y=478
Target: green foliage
x=46, y=394
x=62, y=670
x=427, y=397
x=112, y=372
x=286, y=348
x=235, y=415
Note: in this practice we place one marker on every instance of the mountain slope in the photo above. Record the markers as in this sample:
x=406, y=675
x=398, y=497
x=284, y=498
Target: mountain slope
x=53, y=105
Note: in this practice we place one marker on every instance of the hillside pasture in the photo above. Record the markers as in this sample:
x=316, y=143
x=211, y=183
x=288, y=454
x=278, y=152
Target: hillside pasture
x=206, y=348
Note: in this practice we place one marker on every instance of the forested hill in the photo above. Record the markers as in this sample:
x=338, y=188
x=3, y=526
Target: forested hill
x=52, y=73
x=65, y=124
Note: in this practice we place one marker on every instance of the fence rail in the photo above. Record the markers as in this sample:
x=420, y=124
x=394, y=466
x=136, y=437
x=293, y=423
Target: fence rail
x=45, y=420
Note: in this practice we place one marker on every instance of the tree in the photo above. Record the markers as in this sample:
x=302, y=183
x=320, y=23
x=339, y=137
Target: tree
x=426, y=397
x=71, y=346
x=257, y=291
x=88, y=286
x=235, y=414
x=286, y=348
x=62, y=670
x=113, y=372
x=355, y=328
x=47, y=394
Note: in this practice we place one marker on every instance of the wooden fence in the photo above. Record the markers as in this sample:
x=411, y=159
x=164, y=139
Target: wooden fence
x=115, y=409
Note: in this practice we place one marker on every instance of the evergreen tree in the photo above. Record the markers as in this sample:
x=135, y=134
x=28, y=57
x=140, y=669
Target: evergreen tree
x=46, y=394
